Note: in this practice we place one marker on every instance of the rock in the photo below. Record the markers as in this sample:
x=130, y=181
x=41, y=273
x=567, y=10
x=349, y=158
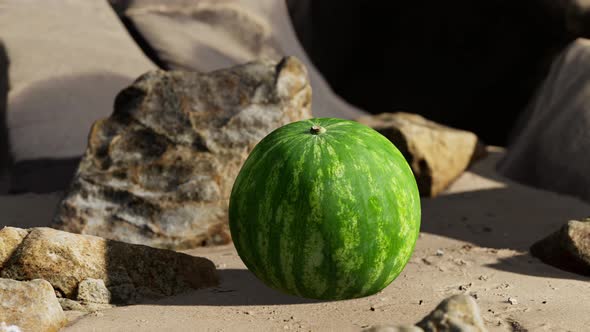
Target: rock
x=160, y=170
x=568, y=248
x=70, y=262
x=10, y=239
x=391, y=328
x=93, y=291
x=71, y=305
x=208, y=35
x=429, y=57
x=550, y=148
x=9, y=328
x=458, y=313
x=30, y=305
x=436, y=153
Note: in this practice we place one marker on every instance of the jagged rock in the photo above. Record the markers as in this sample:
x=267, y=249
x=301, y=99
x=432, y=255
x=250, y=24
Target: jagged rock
x=69, y=260
x=30, y=305
x=160, y=170
x=458, y=313
x=10, y=239
x=436, y=153
x=568, y=248
x=93, y=291
x=71, y=305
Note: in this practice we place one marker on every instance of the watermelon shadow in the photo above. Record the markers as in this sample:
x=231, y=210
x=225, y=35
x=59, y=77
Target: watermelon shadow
x=239, y=287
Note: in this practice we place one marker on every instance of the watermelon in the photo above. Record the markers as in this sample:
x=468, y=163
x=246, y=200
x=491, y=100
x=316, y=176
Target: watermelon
x=325, y=209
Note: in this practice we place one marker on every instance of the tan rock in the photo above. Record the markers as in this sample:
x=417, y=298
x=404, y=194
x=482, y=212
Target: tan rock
x=10, y=239
x=458, y=313
x=436, y=153
x=160, y=170
x=31, y=306
x=568, y=248
x=93, y=291
x=129, y=271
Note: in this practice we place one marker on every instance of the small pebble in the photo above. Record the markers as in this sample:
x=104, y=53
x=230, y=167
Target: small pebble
x=512, y=300
x=440, y=252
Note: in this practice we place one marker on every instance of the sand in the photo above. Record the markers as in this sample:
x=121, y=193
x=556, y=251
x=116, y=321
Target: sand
x=474, y=240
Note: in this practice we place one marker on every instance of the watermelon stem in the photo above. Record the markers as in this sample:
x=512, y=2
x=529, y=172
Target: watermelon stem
x=316, y=130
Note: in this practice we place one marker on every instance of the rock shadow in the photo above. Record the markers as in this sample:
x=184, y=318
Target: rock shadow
x=50, y=121
x=511, y=217
x=5, y=156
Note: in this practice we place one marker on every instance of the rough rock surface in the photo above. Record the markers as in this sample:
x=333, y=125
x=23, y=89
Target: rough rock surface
x=458, y=313
x=160, y=170
x=30, y=305
x=436, y=153
x=568, y=248
x=93, y=291
x=130, y=272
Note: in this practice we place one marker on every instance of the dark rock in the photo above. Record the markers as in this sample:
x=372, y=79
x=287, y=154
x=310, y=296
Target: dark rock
x=70, y=261
x=568, y=248
x=30, y=306
x=436, y=153
x=160, y=170
x=472, y=65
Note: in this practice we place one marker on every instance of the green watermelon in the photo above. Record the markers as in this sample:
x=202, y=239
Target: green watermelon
x=325, y=209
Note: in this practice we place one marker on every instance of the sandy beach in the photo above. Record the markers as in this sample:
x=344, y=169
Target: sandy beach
x=474, y=240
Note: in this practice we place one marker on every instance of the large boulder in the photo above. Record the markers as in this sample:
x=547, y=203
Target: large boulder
x=160, y=170
x=30, y=306
x=207, y=35
x=550, y=148
x=437, y=154
x=472, y=65
x=568, y=248
x=66, y=67
x=74, y=263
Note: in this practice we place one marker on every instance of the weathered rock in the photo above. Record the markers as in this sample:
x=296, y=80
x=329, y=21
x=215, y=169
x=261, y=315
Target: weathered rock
x=31, y=305
x=93, y=291
x=71, y=305
x=458, y=313
x=130, y=272
x=436, y=153
x=568, y=248
x=10, y=239
x=160, y=170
